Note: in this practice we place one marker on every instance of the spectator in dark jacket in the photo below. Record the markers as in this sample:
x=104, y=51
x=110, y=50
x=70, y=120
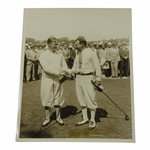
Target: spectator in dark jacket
x=124, y=60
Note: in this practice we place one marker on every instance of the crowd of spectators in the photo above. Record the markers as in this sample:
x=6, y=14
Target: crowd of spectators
x=113, y=58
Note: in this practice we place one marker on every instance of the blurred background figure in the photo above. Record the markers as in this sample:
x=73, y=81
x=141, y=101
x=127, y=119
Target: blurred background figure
x=31, y=56
x=41, y=49
x=66, y=55
x=124, y=60
x=96, y=48
x=104, y=60
x=36, y=62
x=72, y=55
x=114, y=58
x=25, y=62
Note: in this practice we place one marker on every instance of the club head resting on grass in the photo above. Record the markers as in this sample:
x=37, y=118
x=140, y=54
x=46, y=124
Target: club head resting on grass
x=126, y=118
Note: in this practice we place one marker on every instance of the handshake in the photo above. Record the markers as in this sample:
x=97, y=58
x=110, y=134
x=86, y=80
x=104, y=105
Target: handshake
x=64, y=74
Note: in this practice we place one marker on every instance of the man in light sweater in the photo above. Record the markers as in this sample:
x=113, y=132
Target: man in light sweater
x=53, y=65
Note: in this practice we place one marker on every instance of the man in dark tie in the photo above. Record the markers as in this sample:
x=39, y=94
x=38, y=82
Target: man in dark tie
x=86, y=67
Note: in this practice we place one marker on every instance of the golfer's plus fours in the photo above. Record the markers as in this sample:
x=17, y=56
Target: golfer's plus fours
x=98, y=88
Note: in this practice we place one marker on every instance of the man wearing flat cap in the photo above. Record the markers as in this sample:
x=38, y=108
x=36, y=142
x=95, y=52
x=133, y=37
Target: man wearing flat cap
x=86, y=67
x=53, y=65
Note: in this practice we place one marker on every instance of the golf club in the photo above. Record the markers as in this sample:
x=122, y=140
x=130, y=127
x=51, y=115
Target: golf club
x=101, y=90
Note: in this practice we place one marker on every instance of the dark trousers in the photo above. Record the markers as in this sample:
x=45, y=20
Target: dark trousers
x=24, y=71
x=36, y=69
x=70, y=63
x=123, y=66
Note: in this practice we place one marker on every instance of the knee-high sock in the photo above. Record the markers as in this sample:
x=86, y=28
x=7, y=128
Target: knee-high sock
x=84, y=113
x=93, y=114
x=58, y=111
x=47, y=114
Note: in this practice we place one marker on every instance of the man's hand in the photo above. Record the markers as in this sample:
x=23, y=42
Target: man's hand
x=97, y=83
x=63, y=73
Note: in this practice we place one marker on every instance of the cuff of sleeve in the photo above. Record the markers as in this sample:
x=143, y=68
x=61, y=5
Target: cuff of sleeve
x=98, y=79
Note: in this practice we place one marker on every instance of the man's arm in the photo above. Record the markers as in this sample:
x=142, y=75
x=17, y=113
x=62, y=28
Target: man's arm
x=96, y=66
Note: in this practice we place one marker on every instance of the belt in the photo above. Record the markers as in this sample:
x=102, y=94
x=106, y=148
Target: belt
x=84, y=74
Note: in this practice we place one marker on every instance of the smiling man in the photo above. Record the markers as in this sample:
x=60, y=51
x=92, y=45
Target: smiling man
x=86, y=67
x=53, y=66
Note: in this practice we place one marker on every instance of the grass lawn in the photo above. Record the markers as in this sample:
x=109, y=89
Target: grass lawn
x=111, y=123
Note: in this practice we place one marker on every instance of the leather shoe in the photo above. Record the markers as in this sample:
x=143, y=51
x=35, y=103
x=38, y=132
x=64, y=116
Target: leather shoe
x=46, y=122
x=60, y=121
x=92, y=125
x=82, y=122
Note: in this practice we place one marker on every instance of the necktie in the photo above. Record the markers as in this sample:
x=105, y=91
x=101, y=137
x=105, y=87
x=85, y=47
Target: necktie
x=80, y=59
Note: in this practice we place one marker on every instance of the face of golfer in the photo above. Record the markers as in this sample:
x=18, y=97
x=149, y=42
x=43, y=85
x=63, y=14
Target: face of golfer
x=53, y=45
x=78, y=46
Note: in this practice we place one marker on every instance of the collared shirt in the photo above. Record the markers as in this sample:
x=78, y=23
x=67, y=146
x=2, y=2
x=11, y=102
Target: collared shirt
x=90, y=63
x=52, y=63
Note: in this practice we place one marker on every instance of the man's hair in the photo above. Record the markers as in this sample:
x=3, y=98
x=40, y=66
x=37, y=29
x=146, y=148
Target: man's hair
x=81, y=40
x=49, y=40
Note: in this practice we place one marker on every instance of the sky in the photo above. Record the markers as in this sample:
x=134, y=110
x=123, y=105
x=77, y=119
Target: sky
x=92, y=23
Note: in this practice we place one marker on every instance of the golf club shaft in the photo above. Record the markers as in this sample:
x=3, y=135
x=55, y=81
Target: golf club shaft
x=114, y=103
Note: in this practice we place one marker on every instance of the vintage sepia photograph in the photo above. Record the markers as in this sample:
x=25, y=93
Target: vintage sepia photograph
x=76, y=75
